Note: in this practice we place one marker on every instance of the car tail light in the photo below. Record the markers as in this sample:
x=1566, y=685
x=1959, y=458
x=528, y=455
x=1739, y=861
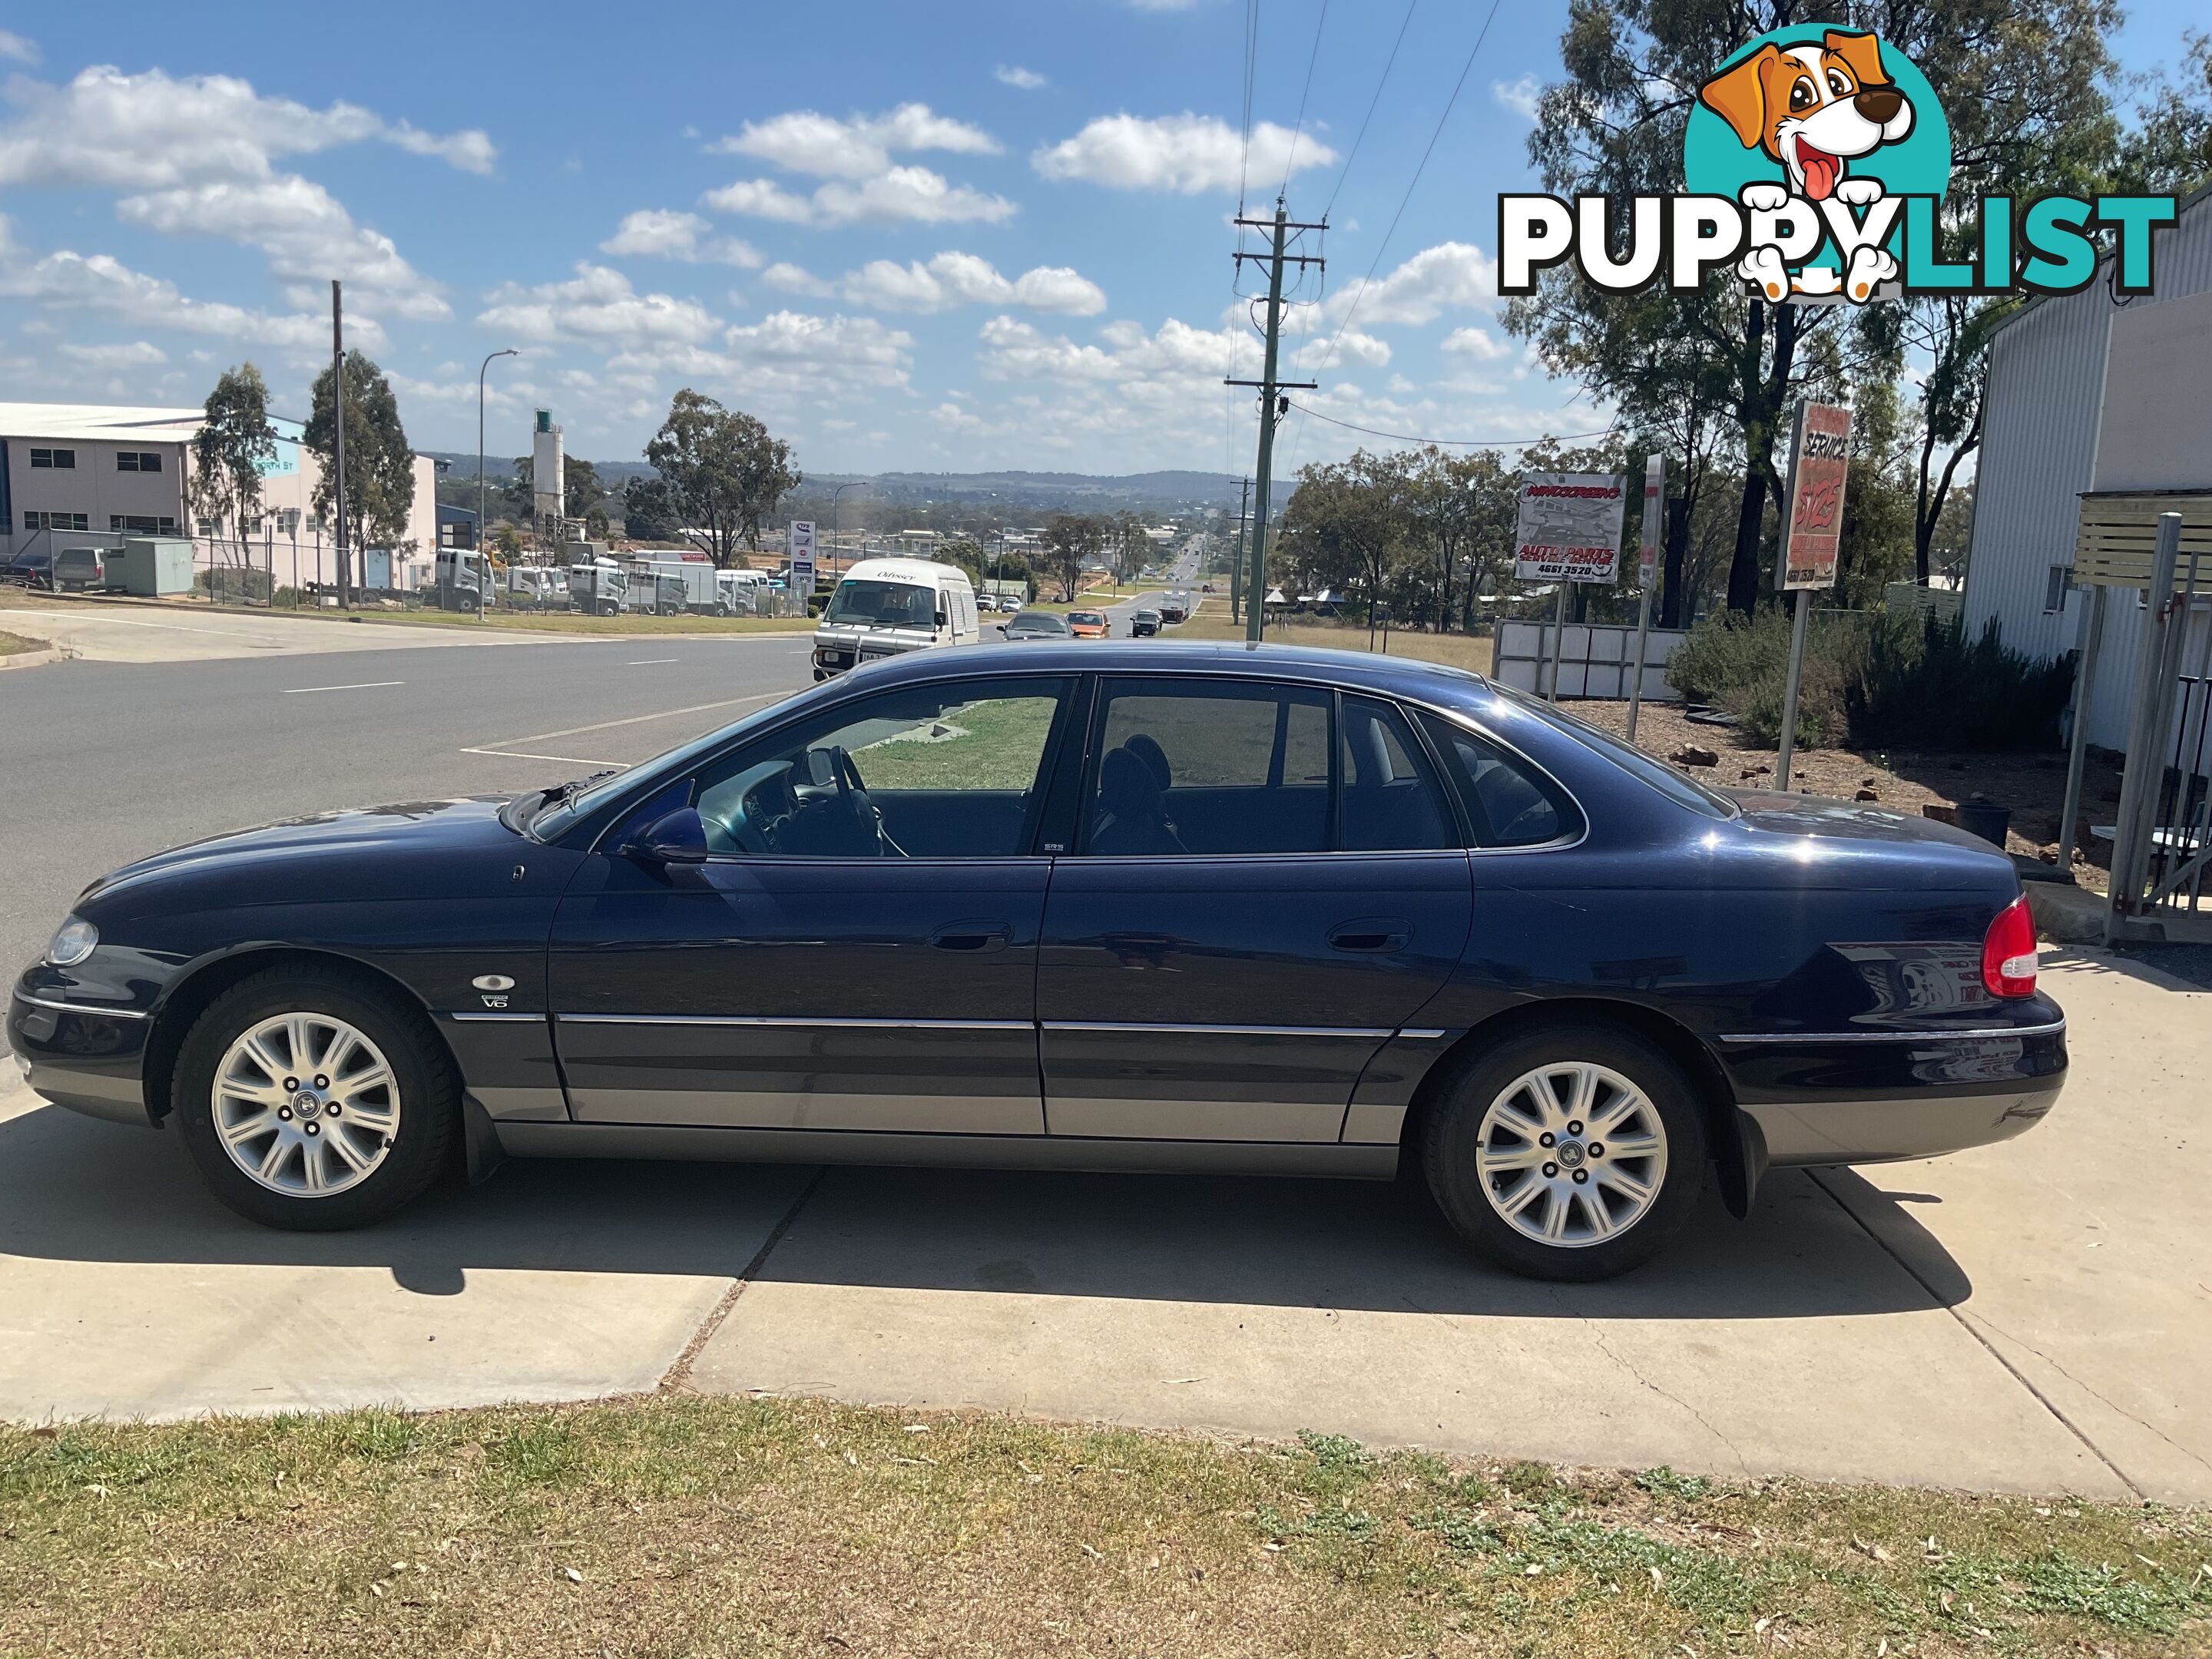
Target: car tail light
x=2009, y=952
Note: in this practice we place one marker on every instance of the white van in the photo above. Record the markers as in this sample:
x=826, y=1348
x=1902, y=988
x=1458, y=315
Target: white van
x=883, y=607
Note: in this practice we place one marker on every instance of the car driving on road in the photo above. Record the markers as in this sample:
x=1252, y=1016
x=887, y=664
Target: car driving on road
x=1089, y=624
x=1114, y=907
x=1037, y=625
x=1143, y=625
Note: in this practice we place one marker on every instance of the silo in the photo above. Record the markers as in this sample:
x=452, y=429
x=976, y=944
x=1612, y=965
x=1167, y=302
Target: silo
x=548, y=483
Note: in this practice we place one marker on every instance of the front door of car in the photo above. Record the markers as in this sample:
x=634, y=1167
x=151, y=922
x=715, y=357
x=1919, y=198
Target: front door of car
x=1268, y=883
x=857, y=949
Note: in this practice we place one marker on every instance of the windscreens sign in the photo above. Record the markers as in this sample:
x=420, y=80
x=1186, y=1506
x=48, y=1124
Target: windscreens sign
x=1569, y=526
x=1820, y=461
x=801, y=532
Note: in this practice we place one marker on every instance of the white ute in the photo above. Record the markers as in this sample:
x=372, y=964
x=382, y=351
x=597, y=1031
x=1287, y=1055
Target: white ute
x=884, y=607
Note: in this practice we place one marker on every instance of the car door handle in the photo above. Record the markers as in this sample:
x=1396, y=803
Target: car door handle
x=1371, y=934
x=973, y=937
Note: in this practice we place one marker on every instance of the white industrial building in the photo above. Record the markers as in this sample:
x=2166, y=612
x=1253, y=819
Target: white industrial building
x=2104, y=395
x=95, y=473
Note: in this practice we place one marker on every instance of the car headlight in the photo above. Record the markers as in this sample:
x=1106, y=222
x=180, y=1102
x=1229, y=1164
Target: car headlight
x=77, y=939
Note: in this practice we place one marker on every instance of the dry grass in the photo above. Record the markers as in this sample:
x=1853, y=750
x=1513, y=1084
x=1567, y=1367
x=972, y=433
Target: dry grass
x=1456, y=650
x=678, y=1525
x=528, y=621
x=14, y=645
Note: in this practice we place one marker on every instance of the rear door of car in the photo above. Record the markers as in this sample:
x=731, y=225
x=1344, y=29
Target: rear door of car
x=1267, y=882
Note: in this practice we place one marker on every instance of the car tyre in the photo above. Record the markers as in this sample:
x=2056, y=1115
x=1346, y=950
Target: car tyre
x=1513, y=1196
x=423, y=1096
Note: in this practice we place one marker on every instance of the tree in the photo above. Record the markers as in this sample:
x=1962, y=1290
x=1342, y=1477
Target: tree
x=2022, y=85
x=1072, y=541
x=724, y=470
x=650, y=511
x=2170, y=150
x=1346, y=522
x=230, y=449
x=380, y=467
x=582, y=494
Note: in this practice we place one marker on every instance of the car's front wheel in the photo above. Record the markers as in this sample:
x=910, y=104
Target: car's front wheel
x=309, y=1100
x=1571, y=1152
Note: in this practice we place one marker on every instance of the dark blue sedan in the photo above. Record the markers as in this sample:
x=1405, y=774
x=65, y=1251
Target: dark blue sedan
x=1106, y=907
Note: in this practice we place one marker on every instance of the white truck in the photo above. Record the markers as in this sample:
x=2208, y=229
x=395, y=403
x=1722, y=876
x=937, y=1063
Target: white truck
x=884, y=607
x=600, y=587
x=680, y=584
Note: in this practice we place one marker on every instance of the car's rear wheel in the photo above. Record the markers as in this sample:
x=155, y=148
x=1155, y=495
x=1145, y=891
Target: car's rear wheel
x=1574, y=1151
x=309, y=1100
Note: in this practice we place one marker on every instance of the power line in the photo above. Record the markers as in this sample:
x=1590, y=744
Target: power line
x=1371, y=103
x=1381, y=248
x=1251, y=59
x=1290, y=161
x=1459, y=443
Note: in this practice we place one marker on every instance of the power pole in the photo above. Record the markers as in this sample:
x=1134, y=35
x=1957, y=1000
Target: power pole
x=1236, y=570
x=337, y=406
x=1273, y=405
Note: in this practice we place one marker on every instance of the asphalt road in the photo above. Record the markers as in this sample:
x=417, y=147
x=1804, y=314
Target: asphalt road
x=102, y=763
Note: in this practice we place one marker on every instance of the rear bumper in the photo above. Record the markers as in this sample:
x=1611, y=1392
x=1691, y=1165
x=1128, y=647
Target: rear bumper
x=1875, y=1097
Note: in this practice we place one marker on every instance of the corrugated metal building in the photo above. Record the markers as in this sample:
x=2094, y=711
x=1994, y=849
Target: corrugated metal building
x=2045, y=402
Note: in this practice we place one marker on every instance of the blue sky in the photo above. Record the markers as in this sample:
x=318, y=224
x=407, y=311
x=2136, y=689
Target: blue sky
x=935, y=237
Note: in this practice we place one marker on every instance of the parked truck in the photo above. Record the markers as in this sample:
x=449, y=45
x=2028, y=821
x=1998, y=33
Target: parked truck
x=675, y=585
x=599, y=588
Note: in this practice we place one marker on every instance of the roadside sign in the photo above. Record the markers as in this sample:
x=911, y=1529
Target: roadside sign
x=1647, y=558
x=1568, y=528
x=801, y=542
x=1819, y=459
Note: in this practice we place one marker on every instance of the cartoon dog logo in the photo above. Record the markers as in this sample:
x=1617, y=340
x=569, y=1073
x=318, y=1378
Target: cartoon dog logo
x=1813, y=109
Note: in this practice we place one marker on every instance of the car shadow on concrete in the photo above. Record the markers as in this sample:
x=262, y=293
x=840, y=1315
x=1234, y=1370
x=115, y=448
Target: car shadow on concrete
x=75, y=1189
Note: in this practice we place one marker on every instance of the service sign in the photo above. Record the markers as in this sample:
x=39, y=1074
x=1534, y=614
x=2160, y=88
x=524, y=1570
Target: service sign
x=1647, y=553
x=1819, y=459
x=1569, y=526
x=801, y=534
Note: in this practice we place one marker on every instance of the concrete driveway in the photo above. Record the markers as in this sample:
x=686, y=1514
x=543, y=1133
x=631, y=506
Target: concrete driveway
x=2033, y=1316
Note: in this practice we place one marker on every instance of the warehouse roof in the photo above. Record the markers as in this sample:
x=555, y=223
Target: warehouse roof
x=95, y=420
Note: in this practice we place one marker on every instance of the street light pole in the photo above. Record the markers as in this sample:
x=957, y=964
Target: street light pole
x=484, y=553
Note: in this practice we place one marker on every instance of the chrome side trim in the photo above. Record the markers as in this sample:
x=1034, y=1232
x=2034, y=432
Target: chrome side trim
x=1982, y=1034
x=944, y=1151
x=1377, y=1032
x=1425, y=1032
x=797, y=1024
x=499, y=1019
x=61, y=1007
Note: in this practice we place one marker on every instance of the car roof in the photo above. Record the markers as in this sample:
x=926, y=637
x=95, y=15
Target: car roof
x=1360, y=670
x=904, y=570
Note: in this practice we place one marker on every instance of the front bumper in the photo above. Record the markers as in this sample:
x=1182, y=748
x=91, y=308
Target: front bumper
x=90, y=1059
x=1870, y=1097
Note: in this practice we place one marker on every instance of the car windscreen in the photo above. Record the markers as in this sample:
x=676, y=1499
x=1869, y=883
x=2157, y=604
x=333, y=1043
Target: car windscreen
x=1682, y=790
x=882, y=604
x=1037, y=622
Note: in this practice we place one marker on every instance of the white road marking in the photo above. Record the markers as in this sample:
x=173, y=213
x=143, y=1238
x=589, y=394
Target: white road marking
x=362, y=685
x=647, y=662
x=637, y=719
x=565, y=760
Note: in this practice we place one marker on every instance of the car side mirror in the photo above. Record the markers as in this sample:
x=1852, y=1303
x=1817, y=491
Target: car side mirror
x=1002, y=628
x=942, y=619
x=677, y=837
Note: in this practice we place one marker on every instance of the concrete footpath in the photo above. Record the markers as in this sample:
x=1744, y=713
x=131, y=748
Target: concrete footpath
x=2034, y=1316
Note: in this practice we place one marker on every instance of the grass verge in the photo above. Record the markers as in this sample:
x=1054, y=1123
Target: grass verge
x=568, y=622
x=678, y=1525
x=1458, y=650
x=14, y=645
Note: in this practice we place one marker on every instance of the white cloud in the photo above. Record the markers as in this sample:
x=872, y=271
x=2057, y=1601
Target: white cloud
x=139, y=354
x=1176, y=356
x=1520, y=96
x=790, y=350
x=1479, y=343
x=1184, y=153
x=1351, y=347
x=805, y=140
x=952, y=279
x=795, y=279
x=903, y=195
x=1014, y=75
x=16, y=48
x=155, y=131
x=598, y=306
x=663, y=234
x=1448, y=275
x=67, y=281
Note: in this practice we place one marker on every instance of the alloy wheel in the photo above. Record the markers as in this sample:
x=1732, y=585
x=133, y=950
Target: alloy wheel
x=306, y=1104
x=1572, y=1154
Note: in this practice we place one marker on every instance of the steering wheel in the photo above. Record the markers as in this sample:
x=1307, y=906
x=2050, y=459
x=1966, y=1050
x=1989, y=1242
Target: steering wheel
x=867, y=820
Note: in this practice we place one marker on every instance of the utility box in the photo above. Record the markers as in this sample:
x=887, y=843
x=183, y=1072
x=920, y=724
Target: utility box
x=151, y=565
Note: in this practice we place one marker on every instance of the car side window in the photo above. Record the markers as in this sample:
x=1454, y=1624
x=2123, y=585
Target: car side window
x=1192, y=766
x=943, y=771
x=1509, y=802
x=1390, y=799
